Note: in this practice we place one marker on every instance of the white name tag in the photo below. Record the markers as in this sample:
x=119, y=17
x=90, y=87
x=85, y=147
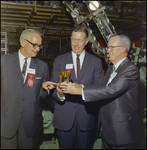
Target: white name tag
x=32, y=71
x=111, y=77
x=69, y=66
x=113, y=74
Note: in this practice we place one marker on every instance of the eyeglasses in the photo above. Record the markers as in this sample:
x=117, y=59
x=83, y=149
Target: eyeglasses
x=111, y=47
x=74, y=40
x=35, y=45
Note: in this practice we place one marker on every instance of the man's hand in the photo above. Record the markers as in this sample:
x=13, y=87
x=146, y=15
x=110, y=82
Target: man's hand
x=48, y=85
x=60, y=92
x=71, y=88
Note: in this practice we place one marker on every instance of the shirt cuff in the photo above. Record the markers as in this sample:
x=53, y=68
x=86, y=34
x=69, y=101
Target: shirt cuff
x=83, y=97
x=48, y=92
x=61, y=98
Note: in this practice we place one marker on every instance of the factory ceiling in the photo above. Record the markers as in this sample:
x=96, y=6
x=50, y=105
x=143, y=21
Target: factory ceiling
x=52, y=17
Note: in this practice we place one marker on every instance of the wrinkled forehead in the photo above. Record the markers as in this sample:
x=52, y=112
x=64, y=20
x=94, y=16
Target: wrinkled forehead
x=114, y=40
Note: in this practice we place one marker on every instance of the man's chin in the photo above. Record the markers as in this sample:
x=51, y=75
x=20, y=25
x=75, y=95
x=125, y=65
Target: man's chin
x=34, y=55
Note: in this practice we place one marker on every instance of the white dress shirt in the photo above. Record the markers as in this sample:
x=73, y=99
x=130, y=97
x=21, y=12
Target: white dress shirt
x=74, y=57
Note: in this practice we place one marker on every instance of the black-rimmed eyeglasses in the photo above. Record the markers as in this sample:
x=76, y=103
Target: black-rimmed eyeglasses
x=111, y=47
x=35, y=45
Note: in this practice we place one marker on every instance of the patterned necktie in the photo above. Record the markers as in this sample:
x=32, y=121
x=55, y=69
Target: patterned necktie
x=114, y=68
x=78, y=65
x=24, y=67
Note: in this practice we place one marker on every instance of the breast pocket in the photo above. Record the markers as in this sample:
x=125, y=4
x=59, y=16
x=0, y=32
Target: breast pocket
x=38, y=80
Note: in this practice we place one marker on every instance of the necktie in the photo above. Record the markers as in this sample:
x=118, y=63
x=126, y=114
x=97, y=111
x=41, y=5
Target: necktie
x=114, y=68
x=24, y=67
x=111, y=77
x=78, y=65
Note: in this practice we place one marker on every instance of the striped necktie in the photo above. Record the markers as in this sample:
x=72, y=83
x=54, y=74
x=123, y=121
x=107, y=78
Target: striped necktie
x=24, y=67
x=78, y=66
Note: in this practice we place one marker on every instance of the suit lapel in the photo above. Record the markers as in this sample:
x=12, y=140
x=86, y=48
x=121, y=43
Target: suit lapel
x=109, y=71
x=122, y=66
x=17, y=66
x=85, y=65
x=69, y=60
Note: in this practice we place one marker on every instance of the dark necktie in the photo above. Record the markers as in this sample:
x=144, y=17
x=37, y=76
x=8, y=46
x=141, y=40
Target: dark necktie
x=78, y=66
x=114, y=68
x=24, y=67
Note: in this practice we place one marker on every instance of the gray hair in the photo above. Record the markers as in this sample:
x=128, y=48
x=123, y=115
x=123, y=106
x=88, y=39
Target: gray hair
x=124, y=40
x=26, y=33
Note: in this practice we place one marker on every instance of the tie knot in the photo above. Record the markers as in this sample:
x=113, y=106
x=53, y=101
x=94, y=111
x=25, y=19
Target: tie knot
x=78, y=55
x=26, y=59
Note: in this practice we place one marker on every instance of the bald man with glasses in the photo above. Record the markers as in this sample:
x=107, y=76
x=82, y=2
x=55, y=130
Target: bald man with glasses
x=22, y=75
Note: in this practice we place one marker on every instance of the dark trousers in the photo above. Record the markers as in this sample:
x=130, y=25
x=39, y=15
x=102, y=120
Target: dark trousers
x=20, y=140
x=105, y=145
x=75, y=138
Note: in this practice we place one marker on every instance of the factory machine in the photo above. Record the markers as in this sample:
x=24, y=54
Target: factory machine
x=137, y=55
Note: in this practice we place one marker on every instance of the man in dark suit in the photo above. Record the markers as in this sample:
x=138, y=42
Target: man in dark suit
x=119, y=115
x=75, y=120
x=22, y=93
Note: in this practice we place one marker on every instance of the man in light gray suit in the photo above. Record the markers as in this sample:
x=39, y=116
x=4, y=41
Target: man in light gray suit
x=119, y=114
x=22, y=94
x=75, y=120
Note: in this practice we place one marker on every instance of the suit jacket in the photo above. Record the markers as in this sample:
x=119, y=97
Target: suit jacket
x=119, y=112
x=19, y=102
x=65, y=112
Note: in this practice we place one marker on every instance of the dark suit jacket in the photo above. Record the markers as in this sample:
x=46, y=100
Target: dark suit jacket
x=18, y=101
x=64, y=112
x=119, y=113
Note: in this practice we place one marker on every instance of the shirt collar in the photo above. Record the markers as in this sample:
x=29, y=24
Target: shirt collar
x=81, y=55
x=21, y=57
x=118, y=63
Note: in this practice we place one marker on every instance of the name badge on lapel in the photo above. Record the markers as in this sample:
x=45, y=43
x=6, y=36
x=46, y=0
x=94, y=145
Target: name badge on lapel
x=31, y=73
x=69, y=67
x=113, y=74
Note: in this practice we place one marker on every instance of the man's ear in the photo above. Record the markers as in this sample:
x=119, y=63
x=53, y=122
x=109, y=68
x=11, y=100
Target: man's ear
x=87, y=40
x=22, y=43
x=124, y=49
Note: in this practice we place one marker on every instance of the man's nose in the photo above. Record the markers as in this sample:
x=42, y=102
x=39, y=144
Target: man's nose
x=38, y=48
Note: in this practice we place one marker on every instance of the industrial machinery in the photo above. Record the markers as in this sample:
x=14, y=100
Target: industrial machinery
x=97, y=14
x=137, y=55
